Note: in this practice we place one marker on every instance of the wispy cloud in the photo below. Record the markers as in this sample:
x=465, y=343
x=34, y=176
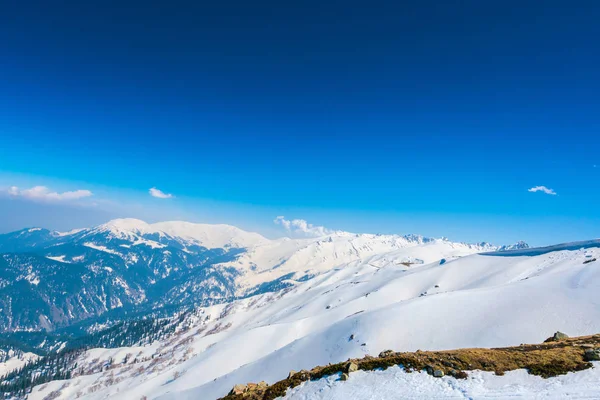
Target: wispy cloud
x=302, y=228
x=42, y=193
x=154, y=192
x=543, y=189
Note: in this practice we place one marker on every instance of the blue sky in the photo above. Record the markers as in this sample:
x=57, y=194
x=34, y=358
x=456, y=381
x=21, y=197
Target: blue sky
x=392, y=117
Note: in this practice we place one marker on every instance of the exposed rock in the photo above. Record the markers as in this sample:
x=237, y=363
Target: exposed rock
x=262, y=384
x=557, y=337
x=351, y=367
x=344, y=377
x=238, y=389
x=304, y=375
x=592, y=355
x=292, y=372
x=438, y=373
x=386, y=353
x=352, y=337
x=560, y=336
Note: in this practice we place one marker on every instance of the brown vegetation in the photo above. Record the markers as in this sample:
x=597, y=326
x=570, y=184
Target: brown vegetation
x=548, y=359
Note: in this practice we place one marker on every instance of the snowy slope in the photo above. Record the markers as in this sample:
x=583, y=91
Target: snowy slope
x=482, y=300
x=15, y=362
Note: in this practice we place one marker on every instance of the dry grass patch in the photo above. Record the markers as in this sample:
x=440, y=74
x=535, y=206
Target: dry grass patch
x=546, y=360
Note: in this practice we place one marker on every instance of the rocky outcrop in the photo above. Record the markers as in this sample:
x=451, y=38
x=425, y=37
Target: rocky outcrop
x=592, y=354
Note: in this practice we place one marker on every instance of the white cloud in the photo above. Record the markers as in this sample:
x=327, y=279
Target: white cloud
x=302, y=228
x=543, y=189
x=42, y=193
x=154, y=192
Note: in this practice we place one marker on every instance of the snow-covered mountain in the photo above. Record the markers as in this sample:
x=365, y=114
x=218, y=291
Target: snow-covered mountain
x=205, y=235
x=362, y=306
x=301, y=259
x=50, y=280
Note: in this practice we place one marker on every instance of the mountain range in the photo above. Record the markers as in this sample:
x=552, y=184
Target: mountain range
x=51, y=280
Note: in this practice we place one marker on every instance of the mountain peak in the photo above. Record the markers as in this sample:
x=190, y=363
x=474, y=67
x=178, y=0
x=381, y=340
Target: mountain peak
x=206, y=235
x=126, y=224
x=521, y=245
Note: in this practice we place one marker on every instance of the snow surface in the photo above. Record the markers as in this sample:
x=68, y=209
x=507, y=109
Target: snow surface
x=480, y=301
x=395, y=384
x=58, y=258
x=101, y=248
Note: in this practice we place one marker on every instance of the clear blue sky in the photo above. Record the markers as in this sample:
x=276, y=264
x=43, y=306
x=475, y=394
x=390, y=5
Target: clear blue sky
x=432, y=117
